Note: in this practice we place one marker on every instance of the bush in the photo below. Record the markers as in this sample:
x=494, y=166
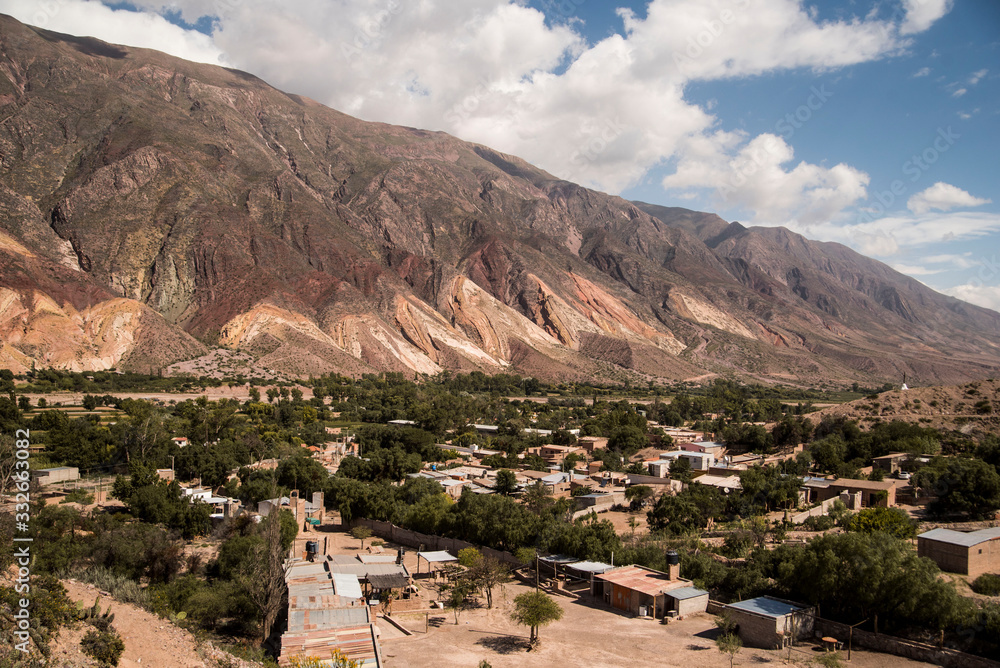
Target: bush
x=987, y=584
x=818, y=523
x=104, y=646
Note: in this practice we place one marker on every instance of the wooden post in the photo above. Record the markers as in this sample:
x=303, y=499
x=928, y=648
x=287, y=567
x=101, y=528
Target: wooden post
x=536, y=571
x=850, y=642
x=426, y=615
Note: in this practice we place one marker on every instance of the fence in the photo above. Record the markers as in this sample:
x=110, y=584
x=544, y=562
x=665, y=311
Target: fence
x=910, y=649
x=429, y=542
x=821, y=509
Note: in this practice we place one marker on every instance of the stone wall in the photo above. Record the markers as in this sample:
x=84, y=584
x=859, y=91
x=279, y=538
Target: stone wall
x=430, y=543
x=909, y=649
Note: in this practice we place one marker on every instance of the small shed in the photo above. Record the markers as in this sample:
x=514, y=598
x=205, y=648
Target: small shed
x=970, y=553
x=649, y=593
x=686, y=601
x=771, y=623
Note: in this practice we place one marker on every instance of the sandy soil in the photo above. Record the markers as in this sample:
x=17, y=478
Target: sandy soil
x=149, y=640
x=589, y=634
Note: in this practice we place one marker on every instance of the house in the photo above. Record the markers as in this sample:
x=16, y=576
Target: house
x=180, y=441
x=471, y=451
x=771, y=623
x=326, y=611
x=556, y=454
x=969, y=553
x=591, y=443
x=645, y=592
x=304, y=512
x=727, y=484
x=891, y=462
x=699, y=461
x=562, y=481
x=165, y=474
x=863, y=493
x=452, y=487
x=682, y=436
x=659, y=468
x=710, y=447
x=600, y=502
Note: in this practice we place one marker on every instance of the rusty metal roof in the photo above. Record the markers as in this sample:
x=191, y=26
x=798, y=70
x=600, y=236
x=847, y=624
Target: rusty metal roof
x=643, y=580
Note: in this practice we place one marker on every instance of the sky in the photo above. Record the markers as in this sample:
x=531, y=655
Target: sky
x=875, y=124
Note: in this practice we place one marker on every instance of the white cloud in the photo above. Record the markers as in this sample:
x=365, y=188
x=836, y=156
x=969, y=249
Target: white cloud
x=921, y=14
x=922, y=72
x=93, y=19
x=963, y=261
x=916, y=270
x=977, y=77
x=496, y=72
x=960, y=92
x=942, y=197
x=759, y=175
x=987, y=296
x=885, y=237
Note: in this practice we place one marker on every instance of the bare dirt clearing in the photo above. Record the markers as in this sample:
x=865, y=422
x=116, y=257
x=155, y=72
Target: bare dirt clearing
x=587, y=635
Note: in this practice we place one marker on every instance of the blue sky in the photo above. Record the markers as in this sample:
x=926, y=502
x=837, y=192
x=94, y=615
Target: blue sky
x=873, y=124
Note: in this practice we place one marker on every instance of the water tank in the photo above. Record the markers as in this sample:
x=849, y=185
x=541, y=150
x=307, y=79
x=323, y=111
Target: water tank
x=312, y=546
x=673, y=559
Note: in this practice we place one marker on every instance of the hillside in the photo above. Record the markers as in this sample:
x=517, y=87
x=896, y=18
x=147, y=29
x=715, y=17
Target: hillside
x=153, y=208
x=972, y=409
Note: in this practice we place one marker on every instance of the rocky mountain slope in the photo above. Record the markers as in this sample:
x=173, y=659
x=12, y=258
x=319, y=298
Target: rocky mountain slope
x=151, y=208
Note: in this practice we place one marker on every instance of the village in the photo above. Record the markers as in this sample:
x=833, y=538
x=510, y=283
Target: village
x=366, y=603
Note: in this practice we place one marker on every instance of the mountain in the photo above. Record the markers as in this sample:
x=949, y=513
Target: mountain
x=152, y=209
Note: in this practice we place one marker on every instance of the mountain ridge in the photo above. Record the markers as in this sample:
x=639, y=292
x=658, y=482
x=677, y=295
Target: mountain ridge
x=221, y=211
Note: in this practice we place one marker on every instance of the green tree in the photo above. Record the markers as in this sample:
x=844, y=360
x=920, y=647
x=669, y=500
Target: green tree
x=535, y=609
x=858, y=576
x=488, y=573
x=362, y=533
x=962, y=485
x=893, y=521
x=262, y=575
x=689, y=510
x=729, y=643
x=638, y=495
x=506, y=483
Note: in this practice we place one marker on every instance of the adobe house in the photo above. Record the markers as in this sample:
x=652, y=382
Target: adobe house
x=771, y=623
x=645, y=592
x=591, y=443
x=969, y=553
x=856, y=494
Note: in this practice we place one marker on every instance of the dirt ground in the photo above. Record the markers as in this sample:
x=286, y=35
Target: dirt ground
x=589, y=634
x=150, y=641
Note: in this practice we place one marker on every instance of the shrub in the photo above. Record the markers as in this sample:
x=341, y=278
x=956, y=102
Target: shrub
x=987, y=584
x=818, y=523
x=104, y=646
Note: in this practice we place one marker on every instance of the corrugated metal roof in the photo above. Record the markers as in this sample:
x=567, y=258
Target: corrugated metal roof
x=767, y=606
x=591, y=567
x=377, y=558
x=559, y=559
x=347, y=585
x=961, y=538
x=439, y=556
x=686, y=593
